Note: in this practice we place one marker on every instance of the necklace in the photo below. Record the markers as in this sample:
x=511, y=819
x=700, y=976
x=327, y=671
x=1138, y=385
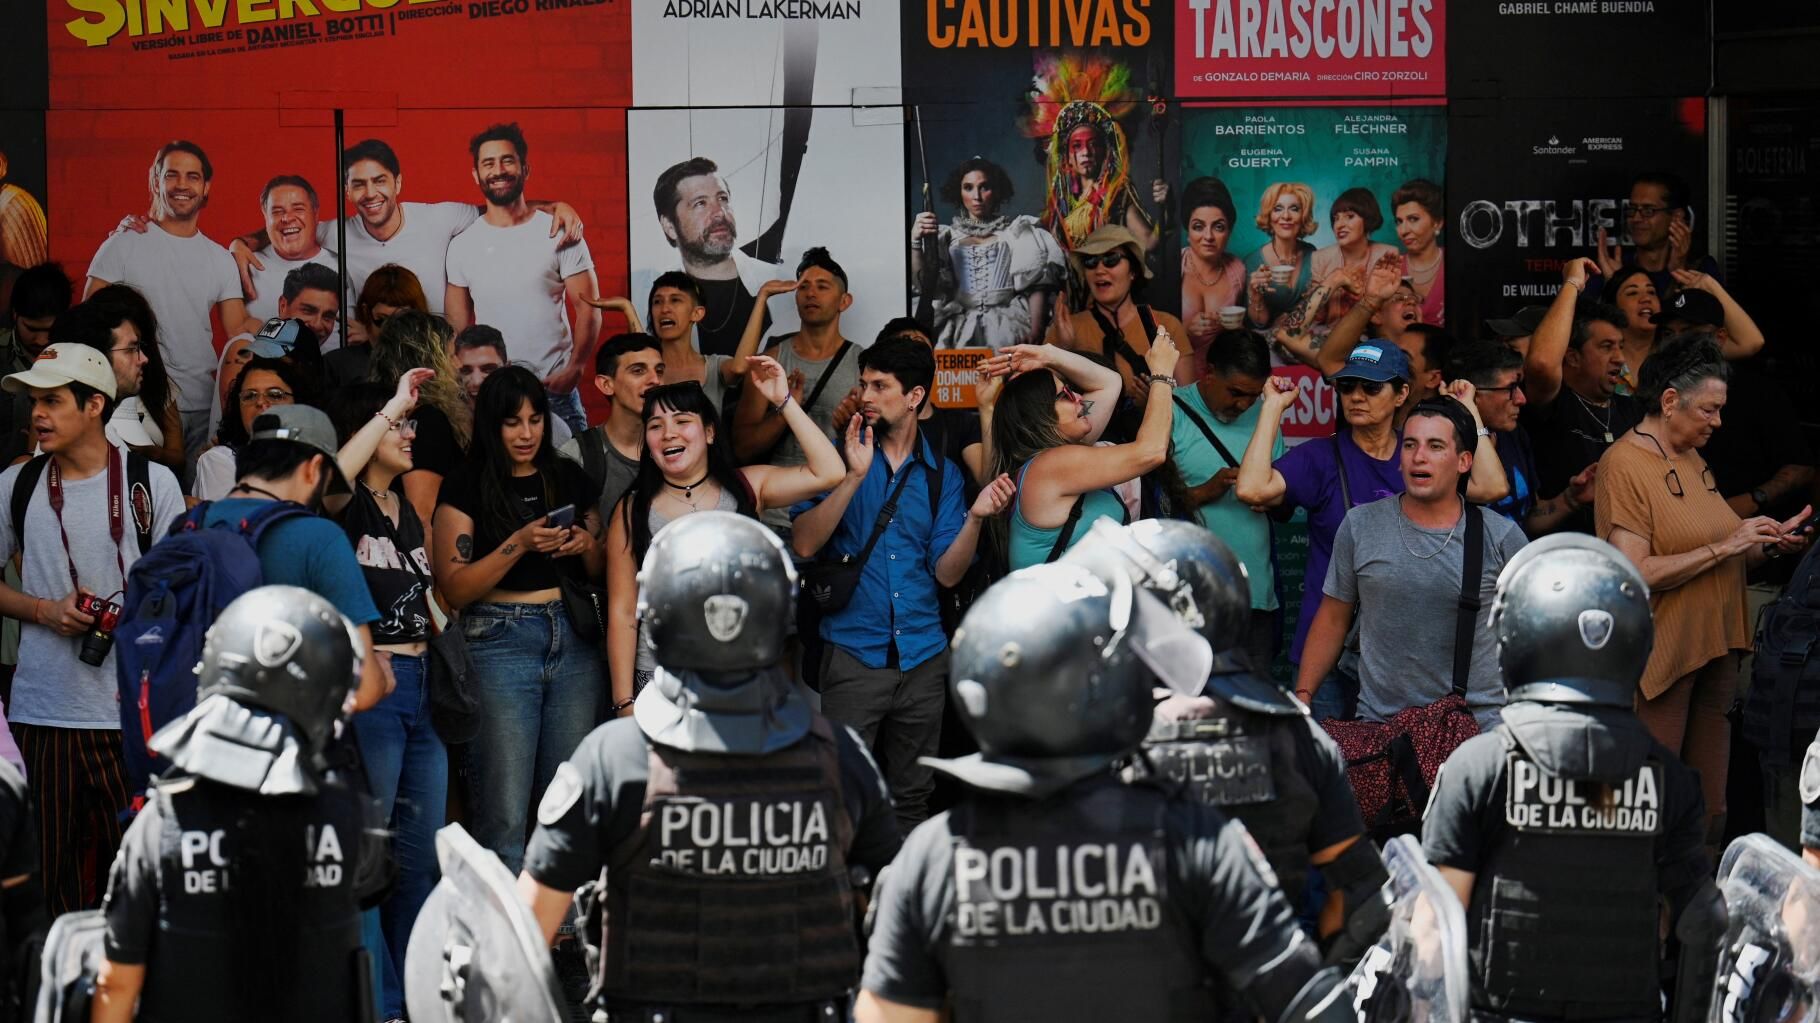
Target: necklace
x=1403, y=517
x=688, y=489
x=378, y=495
x=1274, y=251
x=1194, y=264
x=1425, y=277
x=1604, y=424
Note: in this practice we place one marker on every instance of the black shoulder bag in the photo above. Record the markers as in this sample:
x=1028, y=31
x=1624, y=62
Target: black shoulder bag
x=1073, y=522
x=831, y=583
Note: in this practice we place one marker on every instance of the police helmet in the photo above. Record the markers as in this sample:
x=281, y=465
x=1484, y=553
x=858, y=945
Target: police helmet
x=285, y=650
x=1573, y=623
x=1052, y=672
x=717, y=592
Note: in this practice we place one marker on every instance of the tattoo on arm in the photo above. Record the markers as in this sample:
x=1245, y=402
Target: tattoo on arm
x=464, y=549
x=509, y=549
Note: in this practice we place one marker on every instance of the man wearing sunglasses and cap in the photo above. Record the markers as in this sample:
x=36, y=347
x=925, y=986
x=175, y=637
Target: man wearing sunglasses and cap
x=290, y=456
x=1116, y=327
x=80, y=514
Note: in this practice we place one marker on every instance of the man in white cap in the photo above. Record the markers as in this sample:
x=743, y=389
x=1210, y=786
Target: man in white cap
x=81, y=514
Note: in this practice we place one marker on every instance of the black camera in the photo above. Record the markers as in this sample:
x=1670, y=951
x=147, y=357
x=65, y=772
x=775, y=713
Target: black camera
x=99, y=639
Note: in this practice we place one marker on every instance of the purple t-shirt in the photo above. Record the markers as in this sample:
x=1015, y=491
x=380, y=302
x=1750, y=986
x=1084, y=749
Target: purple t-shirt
x=1312, y=475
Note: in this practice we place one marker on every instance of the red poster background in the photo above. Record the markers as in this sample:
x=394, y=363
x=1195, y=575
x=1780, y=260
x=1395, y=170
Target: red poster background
x=1264, y=36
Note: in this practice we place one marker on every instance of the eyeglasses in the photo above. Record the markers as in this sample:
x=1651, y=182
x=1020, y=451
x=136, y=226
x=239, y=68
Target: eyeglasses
x=1065, y=394
x=269, y=396
x=1645, y=212
x=404, y=427
x=133, y=350
x=1372, y=388
x=1105, y=259
x=1673, y=478
x=1509, y=391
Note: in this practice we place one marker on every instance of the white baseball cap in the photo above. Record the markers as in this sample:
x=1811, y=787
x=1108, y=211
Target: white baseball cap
x=65, y=363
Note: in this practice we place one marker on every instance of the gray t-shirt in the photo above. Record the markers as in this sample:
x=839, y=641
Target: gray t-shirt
x=1407, y=603
x=53, y=687
x=619, y=473
x=845, y=379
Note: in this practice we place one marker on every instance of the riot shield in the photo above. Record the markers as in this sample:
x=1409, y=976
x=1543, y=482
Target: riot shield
x=66, y=974
x=476, y=953
x=1770, y=962
x=1416, y=973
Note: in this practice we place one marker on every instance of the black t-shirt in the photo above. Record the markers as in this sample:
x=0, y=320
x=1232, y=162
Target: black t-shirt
x=1465, y=821
x=727, y=306
x=1569, y=434
x=1760, y=433
x=398, y=586
x=346, y=365
x=955, y=430
x=434, y=449
x=566, y=484
x=612, y=765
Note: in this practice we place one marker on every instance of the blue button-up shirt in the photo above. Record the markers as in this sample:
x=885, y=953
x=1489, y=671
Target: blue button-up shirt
x=897, y=598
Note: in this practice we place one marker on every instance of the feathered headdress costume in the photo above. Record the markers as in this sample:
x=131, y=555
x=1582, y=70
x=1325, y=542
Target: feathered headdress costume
x=1072, y=91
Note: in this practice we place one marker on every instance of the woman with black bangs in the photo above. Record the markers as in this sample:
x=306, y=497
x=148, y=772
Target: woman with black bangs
x=688, y=466
x=501, y=558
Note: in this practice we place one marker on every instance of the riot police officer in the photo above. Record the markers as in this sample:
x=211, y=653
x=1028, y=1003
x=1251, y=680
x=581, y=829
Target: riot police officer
x=1054, y=891
x=1562, y=828
x=237, y=890
x=726, y=819
x=1241, y=743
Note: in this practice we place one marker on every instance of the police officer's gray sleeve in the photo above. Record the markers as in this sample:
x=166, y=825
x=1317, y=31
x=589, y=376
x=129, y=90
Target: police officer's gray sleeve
x=876, y=839
x=566, y=852
x=901, y=961
x=1453, y=828
x=1245, y=926
x=1681, y=858
x=131, y=906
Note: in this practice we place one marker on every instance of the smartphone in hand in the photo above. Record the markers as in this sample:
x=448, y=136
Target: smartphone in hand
x=561, y=518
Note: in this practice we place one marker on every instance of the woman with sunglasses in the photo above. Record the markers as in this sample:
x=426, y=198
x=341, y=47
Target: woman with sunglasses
x=1046, y=422
x=260, y=384
x=1656, y=501
x=1116, y=328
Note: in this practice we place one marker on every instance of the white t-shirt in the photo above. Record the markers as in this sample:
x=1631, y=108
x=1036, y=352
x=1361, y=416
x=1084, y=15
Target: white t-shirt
x=515, y=277
x=420, y=246
x=270, y=285
x=52, y=686
x=214, y=474
x=183, y=279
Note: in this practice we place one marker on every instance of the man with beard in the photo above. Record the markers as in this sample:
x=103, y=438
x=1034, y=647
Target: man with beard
x=1660, y=220
x=824, y=375
x=508, y=269
x=1208, y=438
x=695, y=210
x=886, y=666
x=184, y=276
x=1570, y=376
x=290, y=208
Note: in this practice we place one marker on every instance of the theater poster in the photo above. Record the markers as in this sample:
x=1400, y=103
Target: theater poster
x=314, y=55
x=1773, y=154
x=1286, y=171
x=724, y=53
x=1579, y=48
x=1060, y=110
x=1532, y=182
x=734, y=196
x=1227, y=49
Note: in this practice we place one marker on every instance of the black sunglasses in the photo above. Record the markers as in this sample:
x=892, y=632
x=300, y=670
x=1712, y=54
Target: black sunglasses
x=1105, y=259
x=1372, y=388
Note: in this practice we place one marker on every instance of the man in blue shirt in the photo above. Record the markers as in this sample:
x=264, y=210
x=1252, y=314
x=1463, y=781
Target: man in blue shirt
x=291, y=457
x=885, y=664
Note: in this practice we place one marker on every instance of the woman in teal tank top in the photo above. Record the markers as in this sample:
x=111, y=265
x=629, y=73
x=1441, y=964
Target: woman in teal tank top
x=1044, y=428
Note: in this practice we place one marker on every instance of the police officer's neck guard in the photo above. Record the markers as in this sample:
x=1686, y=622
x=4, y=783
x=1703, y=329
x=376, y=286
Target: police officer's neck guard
x=231, y=743
x=747, y=714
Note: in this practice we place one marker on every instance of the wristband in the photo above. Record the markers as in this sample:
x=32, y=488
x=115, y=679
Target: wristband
x=1483, y=432
x=780, y=406
x=1165, y=381
x=1576, y=286
x=389, y=421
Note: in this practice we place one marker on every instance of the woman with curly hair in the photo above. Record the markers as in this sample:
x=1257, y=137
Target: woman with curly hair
x=408, y=340
x=996, y=273
x=1286, y=216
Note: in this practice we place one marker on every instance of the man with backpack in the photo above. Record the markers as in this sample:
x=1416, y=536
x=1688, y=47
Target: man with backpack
x=625, y=367
x=80, y=515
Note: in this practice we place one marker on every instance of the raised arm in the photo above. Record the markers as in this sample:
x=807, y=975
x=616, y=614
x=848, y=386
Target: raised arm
x=1488, y=481
x=358, y=451
x=1099, y=386
x=1743, y=338
x=1071, y=469
x=1295, y=333
x=810, y=531
x=779, y=486
x=1260, y=485
x=622, y=306
x=1548, y=345
x=754, y=333
x=1380, y=284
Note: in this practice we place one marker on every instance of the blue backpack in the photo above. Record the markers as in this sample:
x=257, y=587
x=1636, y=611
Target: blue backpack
x=173, y=594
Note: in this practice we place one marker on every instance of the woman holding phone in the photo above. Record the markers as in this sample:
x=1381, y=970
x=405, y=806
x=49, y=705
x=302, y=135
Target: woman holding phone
x=507, y=534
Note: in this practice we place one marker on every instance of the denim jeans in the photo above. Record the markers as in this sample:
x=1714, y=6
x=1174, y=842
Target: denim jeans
x=539, y=689
x=409, y=771
x=567, y=407
x=1337, y=697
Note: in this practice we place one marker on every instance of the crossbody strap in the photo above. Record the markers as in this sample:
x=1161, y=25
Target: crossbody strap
x=1472, y=563
x=1207, y=432
x=1074, y=520
x=885, y=514
x=1339, y=463
x=827, y=375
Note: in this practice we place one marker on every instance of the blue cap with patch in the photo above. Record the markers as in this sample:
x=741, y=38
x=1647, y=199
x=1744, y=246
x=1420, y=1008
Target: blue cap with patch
x=1375, y=360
